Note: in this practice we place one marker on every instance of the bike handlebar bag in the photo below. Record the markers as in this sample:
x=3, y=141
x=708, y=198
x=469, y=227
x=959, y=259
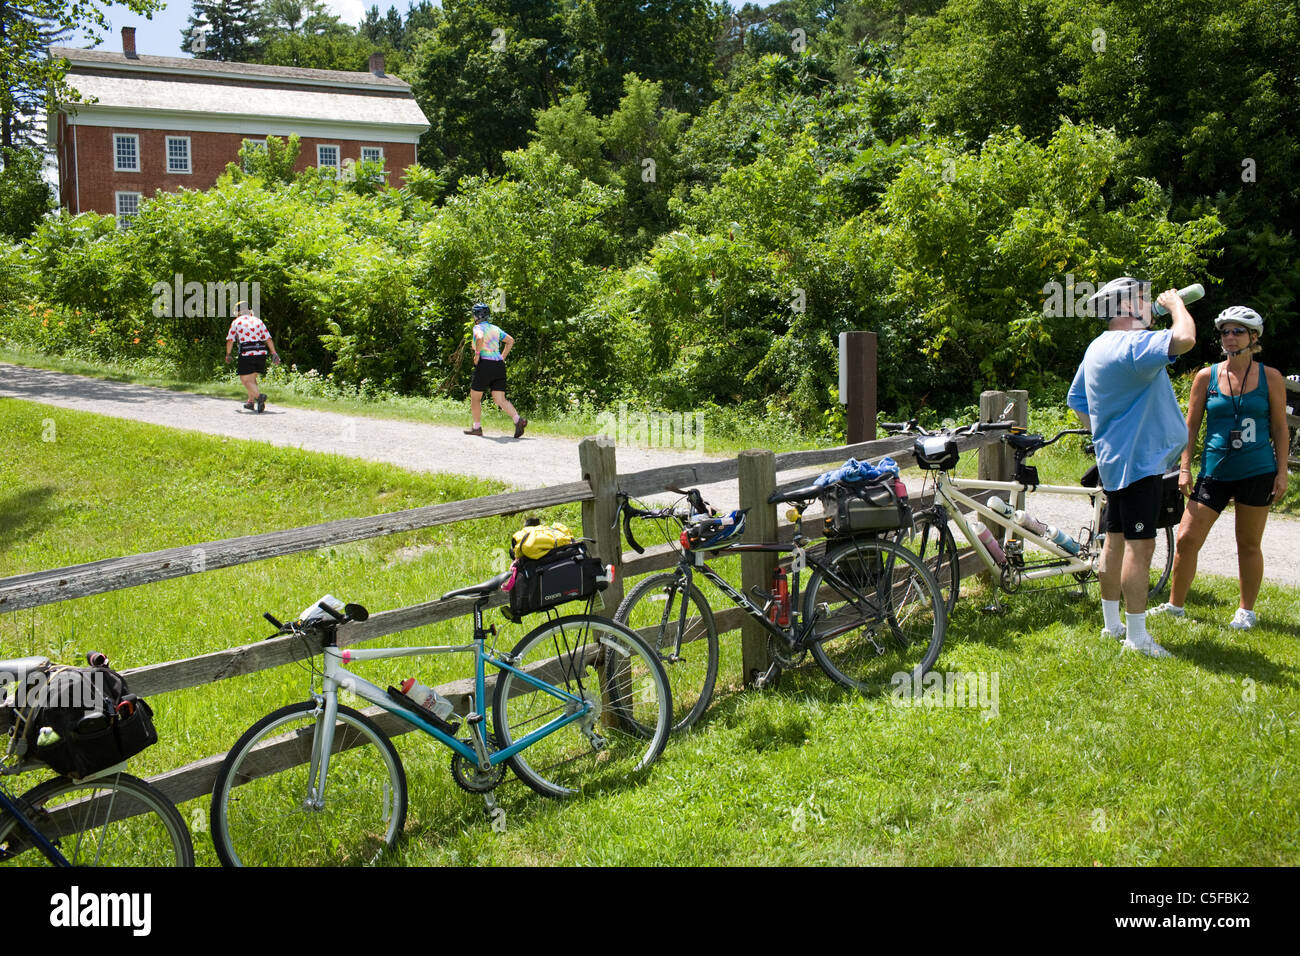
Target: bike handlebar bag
x=935, y=452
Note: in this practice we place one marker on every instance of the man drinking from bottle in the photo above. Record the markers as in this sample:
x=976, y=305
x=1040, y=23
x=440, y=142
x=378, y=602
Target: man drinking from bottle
x=1122, y=393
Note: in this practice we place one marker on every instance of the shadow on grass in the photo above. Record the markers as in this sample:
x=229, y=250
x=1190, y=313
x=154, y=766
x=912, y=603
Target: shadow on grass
x=23, y=512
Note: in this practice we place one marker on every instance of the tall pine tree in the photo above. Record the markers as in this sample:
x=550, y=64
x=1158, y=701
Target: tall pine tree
x=224, y=30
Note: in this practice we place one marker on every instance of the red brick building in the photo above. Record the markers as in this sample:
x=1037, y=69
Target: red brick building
x=154, y=123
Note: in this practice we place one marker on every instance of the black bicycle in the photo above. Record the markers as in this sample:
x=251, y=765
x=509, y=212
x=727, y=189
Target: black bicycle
x=871, y=610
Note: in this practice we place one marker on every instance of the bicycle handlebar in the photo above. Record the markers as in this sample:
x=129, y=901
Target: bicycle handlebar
x=695, y=505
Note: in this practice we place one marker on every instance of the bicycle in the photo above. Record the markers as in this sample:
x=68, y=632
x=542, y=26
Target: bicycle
x=580, y=701
x=105, y=819
x=871, y=607
x=931, y=537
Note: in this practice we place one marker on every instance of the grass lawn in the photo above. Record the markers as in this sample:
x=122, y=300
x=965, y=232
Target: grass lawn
x=1081, y=756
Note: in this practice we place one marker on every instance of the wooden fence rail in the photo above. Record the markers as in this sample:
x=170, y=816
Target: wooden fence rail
x=757, y=471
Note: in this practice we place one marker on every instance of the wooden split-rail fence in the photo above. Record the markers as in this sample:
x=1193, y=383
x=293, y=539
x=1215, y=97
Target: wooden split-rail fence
x=756, y=471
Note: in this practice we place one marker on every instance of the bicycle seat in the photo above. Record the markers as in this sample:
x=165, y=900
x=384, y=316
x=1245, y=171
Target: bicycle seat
x=806, y=493
x=17, y=669
x=487, y=587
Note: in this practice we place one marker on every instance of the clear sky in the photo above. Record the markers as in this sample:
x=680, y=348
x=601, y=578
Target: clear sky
x=161, y=36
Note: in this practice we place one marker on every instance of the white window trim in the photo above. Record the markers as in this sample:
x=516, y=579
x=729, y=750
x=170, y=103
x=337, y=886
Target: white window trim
x=378, y=149
x=126, y=169
x=117, y=206
x=189, y=161
x=338, y=152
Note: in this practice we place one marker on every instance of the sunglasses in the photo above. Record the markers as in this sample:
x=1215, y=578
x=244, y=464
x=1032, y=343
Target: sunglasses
x=1223, y=332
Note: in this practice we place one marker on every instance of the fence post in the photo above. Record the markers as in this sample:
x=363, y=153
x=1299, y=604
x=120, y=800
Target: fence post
x=1019, y=415
x=995, y=457
x=858, y=385
x=757, y=481
x=600, y=469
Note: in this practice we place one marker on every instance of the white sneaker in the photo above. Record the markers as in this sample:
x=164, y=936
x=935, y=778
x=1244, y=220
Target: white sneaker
x=1115, y=635
x=1243, y=620
x=1148, y=647
x=1169, y=610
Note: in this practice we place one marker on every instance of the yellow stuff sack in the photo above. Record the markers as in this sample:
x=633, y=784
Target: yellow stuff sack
x=539, y=540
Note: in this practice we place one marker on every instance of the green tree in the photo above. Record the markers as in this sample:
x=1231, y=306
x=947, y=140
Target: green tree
x=671, y=42
x=482, y=72
x=25, y=196
x=224, y=30
x=29, y=78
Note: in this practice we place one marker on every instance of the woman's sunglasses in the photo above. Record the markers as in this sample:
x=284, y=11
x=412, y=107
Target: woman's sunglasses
x=1226, y=332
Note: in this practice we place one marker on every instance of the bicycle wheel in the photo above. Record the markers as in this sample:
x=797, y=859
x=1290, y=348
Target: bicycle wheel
x=881, y=615
x=689, y=652
x=116, y=820
x=264, y=815
x=931, y=540
x=605, y=664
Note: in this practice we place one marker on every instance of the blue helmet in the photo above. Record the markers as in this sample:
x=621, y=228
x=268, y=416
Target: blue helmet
x=481, y=311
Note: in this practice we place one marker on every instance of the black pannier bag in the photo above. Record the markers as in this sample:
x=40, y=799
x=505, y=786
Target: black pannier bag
x=565, y=574
x=935, y=453
x=79, y=720
x=863, y=509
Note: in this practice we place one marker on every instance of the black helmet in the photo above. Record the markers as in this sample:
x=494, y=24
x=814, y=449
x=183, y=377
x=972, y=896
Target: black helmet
x=481, y=311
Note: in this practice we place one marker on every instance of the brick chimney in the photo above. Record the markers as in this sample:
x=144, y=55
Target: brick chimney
x=377, y=64
x=128, y=43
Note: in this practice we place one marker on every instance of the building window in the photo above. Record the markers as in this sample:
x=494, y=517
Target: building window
x=178, y=154
x=126, y=153
x=128, y=207
x=327, y=157
x=249, y=146
x=372, y=154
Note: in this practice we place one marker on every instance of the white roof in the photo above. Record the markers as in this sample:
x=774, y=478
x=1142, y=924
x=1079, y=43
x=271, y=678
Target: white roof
x=178, y=93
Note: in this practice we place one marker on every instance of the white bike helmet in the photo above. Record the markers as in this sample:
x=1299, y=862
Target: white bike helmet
x=1119, y=298
x=1240, y=315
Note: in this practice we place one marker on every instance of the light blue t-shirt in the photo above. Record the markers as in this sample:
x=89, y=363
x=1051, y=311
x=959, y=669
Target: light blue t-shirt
x=1123, y=385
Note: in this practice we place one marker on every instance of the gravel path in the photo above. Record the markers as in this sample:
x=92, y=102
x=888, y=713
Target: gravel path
x=531, y=462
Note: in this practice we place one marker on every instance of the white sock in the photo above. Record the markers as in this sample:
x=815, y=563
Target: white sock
x=1137, y=628
x=517, y=417
x=1110, y=614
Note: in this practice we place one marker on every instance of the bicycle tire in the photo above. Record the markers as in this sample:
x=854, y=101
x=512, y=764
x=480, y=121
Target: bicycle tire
x=652, y=610
x=259, y=803
x=932, y=541
x=892, y=625
x=115, y=820
x=625, y=732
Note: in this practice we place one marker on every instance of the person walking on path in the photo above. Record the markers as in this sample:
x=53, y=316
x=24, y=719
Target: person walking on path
x=1244, y=459
x=491, y=346
x=1122, y=393
x=254, y=342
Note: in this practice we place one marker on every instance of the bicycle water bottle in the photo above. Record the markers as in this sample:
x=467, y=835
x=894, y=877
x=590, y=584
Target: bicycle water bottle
x=779, y=612
x=1064, y=540
x=427, y=698
x=999, y=506
x=1030, y=523
x=1190, y=294
x=990, y=542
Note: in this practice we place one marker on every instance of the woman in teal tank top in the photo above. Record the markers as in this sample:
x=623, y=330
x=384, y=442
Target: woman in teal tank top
x=1244, y=459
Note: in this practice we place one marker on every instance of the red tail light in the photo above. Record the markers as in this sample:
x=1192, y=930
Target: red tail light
x=686, y=541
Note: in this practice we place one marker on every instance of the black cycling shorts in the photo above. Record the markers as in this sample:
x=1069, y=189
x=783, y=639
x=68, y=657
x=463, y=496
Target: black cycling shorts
x=489, y=376
x=1256, y=491
x=248, y=364
x=1134, y=511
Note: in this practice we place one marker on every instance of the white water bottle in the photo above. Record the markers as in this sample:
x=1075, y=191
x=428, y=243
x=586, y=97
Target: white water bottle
x=990, y=542
x=427, y=698
x=1030, y=523
x=1190, y=294
x=1064, y=540
x=999, y=506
